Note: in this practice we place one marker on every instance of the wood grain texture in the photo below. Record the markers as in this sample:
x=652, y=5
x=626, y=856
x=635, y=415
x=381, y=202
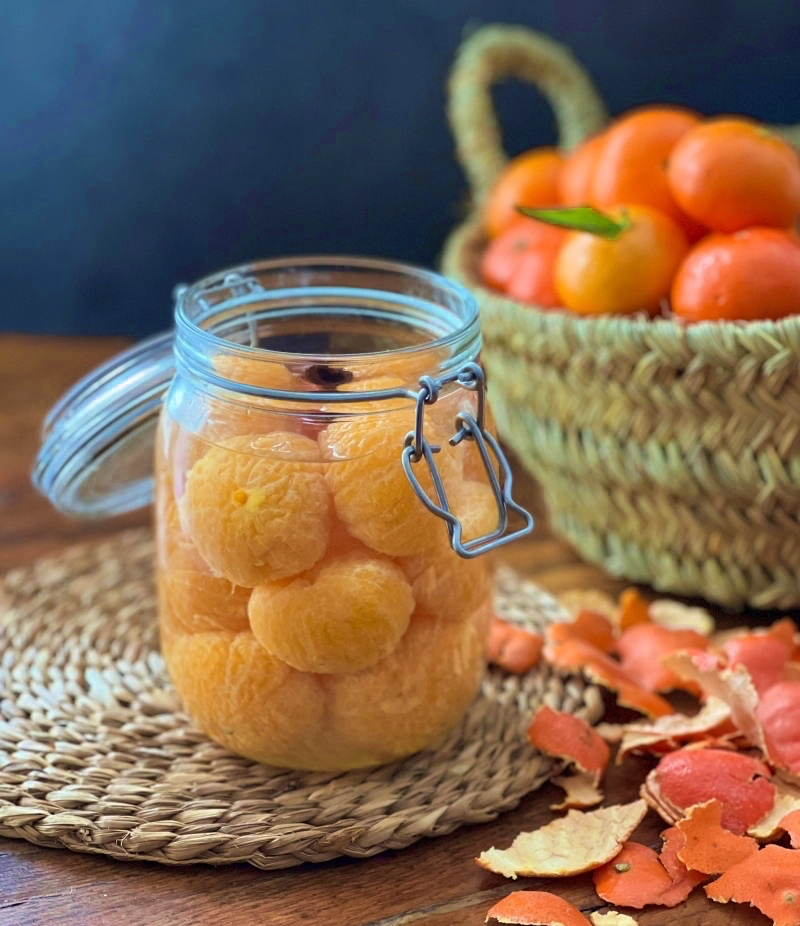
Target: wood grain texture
x=434, y=883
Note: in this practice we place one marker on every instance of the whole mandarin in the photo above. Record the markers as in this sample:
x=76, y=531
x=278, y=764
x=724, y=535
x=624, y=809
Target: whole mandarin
x=530, y=179
x=753, y=274
x=632, y=165
x=577, y=172
x=732, y=173
x=521, y=261
x=630, y=273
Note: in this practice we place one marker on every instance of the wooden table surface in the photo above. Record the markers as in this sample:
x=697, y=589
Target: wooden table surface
x=433, y=883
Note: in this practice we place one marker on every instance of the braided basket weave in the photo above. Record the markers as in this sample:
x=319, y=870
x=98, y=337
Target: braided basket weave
x=669, y=454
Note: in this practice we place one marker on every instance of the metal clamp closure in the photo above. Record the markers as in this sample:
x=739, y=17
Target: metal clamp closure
x=417, y=448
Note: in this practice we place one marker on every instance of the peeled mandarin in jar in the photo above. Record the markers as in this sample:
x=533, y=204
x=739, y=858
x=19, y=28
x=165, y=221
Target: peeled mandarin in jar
x=247, y=700
x=258, y=508
x=343, y=616
x=445, y=584
x=191, y=601
x=412, y=698
x=371, y=493
x=266, y=374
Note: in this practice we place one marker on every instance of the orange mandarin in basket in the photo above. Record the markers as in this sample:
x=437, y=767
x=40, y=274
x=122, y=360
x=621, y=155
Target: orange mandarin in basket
x=530, y=179
x=630, y=273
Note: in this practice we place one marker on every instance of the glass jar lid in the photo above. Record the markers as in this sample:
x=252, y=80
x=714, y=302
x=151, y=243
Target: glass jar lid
x=96, y=457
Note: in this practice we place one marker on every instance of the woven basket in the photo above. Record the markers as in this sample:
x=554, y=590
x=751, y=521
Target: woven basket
x=669, y=454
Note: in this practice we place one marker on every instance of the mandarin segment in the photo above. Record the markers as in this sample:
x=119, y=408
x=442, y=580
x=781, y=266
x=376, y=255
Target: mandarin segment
x=371, y=492
x=345, y=615
x=413, y=697
x=246, y=699
x=258, y=507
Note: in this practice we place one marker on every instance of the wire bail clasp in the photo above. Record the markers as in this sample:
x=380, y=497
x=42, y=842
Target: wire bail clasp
x=417, y=448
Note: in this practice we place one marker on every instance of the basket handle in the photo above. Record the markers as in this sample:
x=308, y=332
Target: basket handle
x=495, y=53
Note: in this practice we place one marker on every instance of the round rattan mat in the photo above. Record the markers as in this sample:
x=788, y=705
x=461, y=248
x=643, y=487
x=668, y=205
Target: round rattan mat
x=97, y=756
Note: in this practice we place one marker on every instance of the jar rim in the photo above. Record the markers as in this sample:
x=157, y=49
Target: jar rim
x=191, y=311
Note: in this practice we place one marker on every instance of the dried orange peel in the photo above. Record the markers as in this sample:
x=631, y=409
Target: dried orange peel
x=709, y=847
x=578, y=842
x=778, y=713
x=633, y=878
x=566, y=736
x=576, y=655
x=642, y=648
x=612, y=918
x=791, y=823
x=693, y=776
x=580, y=791
x=513, y=648
x=769, y=880
x=684, y=881
x=536, y=908
x=667, y=733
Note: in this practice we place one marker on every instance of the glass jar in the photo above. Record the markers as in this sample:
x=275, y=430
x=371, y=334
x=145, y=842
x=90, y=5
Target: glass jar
x=323, y=489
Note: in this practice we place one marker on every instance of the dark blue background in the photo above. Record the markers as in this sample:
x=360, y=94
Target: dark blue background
x=145, y=142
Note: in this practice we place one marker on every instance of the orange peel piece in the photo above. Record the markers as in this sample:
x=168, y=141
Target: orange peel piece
x=778, y=713
x=612, y=918
x=693, y=776
x=566, y=736
x=667, y=733
x=677, y=616
x=513, y=648
x=590, y=626
x=787, y=799
x=791, y=823
x=580, y=790
x=589, y=599
x=764, y=655
x=634, y=878
x=569, y=845
x=575, y=655
x=684, y=881
x=708, y=847
x=643, y=647
x=536, y=908
x=769, y=880
x=633, y=609
x=731, y=685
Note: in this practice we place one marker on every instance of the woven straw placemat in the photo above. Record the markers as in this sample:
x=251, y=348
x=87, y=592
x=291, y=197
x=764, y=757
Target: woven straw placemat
x=97, y=756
